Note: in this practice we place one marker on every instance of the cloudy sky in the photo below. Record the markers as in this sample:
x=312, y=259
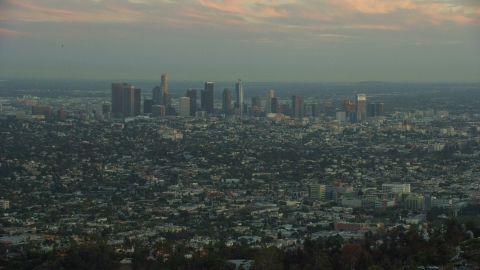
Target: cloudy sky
x=260, y=40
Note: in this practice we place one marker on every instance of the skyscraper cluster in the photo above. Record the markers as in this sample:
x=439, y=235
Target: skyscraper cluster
x=126, y=100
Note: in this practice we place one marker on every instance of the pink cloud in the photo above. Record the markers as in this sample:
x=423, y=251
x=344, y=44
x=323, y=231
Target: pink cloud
x=376, y=6
x=246, y=8
x=30, y=10
x=4, y=31
x=252, y=15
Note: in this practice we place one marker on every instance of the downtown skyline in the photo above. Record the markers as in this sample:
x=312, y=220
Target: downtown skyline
x=287, y=40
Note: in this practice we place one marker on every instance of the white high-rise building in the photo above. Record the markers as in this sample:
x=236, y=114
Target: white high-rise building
x=268, y=102
x=89, y=109
x=184, y=106
x=341, y=116
x=239, y=96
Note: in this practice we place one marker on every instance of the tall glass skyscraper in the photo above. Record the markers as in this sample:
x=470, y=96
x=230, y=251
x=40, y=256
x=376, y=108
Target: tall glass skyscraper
x=361, y=104
x=268, y=102
x=239, y=96
x=207, y=98
x=226, y=101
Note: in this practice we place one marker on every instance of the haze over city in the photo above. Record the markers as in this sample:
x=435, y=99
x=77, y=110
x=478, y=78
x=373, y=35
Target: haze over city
x=282, y=40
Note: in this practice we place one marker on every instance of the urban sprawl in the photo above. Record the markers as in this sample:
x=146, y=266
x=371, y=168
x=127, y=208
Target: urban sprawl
x=268, y=183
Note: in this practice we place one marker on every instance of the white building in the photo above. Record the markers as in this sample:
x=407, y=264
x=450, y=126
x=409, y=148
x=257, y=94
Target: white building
x=396, y=188
x=185, y=106
x=4, y=204
x=268, y=102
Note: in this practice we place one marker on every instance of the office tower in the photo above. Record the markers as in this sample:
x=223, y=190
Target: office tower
x=62, y=115
x=170, y=110
x=40, y=109
x=184, y=106
x=380, y=109
x=157, y=95
x=160, y=93
x=123, y=97
x=105, y=108
x=328, y=108
x=361, y=104
x=348, y=106
x=166, y=96
x=207, y=98
x=48, y=114
x=275, y=106
x=158, y=110
x=239, y=96
x=164, y=83
x=316, y=110
x=341, y=116
x=128, y=101
x=226, y=101
x=137, y=102
x=352, y=115
x=371, y=110
x=268, y=102
x=117, y=98
x=89, y=109
x=192, y=94
x=303, y=110
x=147, y=106
x=296, y=106
x=256, y=102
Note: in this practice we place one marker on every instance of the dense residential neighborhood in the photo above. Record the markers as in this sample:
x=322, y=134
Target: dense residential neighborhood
x=228, y=192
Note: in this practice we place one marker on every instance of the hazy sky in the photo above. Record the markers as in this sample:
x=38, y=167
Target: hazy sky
x=261, y=40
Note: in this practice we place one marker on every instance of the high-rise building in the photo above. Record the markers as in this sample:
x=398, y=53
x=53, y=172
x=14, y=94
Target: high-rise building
x=160, y=93
x=239, y=96
x=62, y=115
x=147, y=106
x=137, y=102
x=128, y=101
x=192, y=94
x=207, y=98
x=316, y=110
x=348, y=106
x=89, y=109
x=106, y=108
x=328, y=108
x=117, y=98
x=341, y=116
x=361, y=104
x=256, y=102
x=268, y=102
x=296, y=106
x=371, y=110
x=380, y=109
x=48, y=114
x=164, y=83
x=184, y=106
x=123, y=100
x=226, y=101
x=158, y=111
x=157, y=95
x=275, y=106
